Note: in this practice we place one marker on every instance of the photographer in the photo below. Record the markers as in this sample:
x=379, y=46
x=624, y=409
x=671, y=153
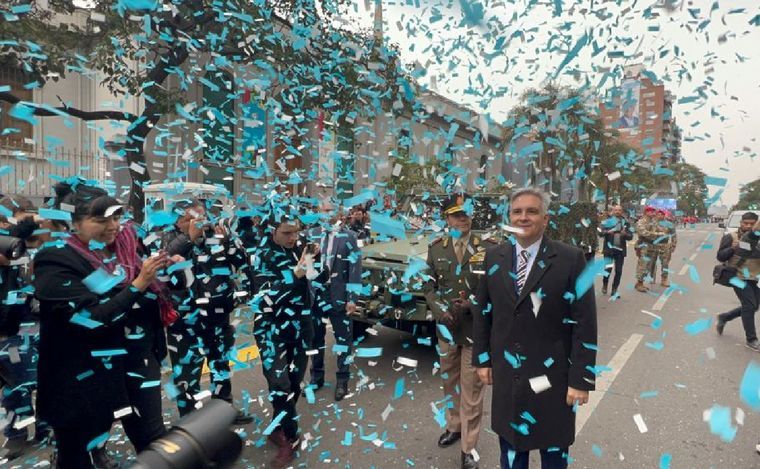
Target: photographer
x=204, y=304
x=19, y=328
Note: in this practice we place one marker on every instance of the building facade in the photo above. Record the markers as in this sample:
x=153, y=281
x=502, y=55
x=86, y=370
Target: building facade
x=641, y=111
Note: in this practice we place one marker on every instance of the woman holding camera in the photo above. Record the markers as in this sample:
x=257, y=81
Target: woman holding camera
x=101, y=334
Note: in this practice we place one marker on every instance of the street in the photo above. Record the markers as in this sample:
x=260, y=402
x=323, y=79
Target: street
x=661, y=372
x=656, y=370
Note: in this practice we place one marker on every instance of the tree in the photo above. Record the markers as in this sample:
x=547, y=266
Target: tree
x=692, y=190
x=569, y=133
x=749, y=196
x=156, y=50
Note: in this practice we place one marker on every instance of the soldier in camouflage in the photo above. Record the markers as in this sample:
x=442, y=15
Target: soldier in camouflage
x=455, y=265
x=662, y=247
x=647, y=233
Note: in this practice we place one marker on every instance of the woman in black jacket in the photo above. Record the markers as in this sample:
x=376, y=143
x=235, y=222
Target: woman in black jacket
x=101, y=335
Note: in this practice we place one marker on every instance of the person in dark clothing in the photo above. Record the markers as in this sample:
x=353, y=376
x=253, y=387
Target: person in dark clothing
x=358, y=224
x=283, y=327
x=749, y=296
x=205, y=303
x=616, y=231
x=19, y=330
x=102, y=313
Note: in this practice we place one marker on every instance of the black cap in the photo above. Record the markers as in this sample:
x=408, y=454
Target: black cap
x=454, y=203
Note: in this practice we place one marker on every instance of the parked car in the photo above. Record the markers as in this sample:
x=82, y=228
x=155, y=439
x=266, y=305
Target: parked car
x=396, y=269
x=733, y=221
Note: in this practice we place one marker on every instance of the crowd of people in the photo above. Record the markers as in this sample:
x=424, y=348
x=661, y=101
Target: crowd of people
x=96, y=304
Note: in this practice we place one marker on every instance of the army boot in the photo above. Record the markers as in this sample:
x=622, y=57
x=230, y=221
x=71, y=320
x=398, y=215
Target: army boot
x=664, y=282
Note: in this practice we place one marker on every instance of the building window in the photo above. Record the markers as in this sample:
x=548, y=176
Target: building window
x=14, y=132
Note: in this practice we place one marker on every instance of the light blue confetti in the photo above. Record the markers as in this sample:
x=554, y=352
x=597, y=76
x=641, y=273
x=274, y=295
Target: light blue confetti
x=697, y=326
x=586, y=279
x=399, y=389
x=720, y=423
x=385, y=225
x=749, y=389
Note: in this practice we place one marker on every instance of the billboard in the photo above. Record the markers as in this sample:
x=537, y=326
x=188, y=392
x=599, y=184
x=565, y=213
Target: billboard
x=627, y=104
x=663, y=203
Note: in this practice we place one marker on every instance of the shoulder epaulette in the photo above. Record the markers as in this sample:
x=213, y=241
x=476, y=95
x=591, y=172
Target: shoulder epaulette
x=436, y=241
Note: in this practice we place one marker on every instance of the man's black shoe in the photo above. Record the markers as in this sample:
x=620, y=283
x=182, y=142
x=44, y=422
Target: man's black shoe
x=102, y=459
x=341, y=391
x=719, y=326
x=242, y=419
x=448, y=438
x=753, y=345
x=468, y=461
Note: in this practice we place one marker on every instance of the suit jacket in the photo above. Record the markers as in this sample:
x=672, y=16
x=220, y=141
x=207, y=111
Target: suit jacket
x=558, y=343
x=608, y=229
x=340, y=281
x=448, y=281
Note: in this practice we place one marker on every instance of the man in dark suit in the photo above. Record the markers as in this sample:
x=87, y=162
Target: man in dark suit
x=616, y=231
x=338, y=272
x=534, y=328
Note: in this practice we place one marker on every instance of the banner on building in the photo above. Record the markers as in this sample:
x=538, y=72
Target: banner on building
x=627, y=103
x=254, y=129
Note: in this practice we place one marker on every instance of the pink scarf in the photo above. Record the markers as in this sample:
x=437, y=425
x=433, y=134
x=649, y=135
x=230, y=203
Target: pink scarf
x=125, y=247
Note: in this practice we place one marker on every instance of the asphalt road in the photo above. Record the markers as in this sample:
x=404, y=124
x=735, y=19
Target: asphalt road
x=659, y=370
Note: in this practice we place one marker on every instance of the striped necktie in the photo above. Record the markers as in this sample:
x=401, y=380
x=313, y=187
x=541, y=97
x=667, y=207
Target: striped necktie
x=522, y=269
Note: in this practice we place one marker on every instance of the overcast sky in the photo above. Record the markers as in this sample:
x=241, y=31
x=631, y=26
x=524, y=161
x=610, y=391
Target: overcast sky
x=705, y=52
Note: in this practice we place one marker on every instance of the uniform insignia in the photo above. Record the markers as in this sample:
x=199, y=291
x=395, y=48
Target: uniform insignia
x=490, y=240
x=436, y=241
x=479, y=256
x=446, y=242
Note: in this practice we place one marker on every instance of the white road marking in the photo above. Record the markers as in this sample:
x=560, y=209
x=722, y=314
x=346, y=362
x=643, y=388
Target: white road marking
x=692, y=257
x=604, y=382
x=662, y=299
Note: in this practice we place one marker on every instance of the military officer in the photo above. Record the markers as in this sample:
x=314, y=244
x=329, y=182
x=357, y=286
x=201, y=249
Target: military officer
x=646, y=229
x=663, y=246
x=455, y=263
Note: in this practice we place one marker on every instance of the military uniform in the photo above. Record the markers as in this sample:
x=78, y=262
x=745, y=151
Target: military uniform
x=646, y=228
x=452, y=279
x=662, y=248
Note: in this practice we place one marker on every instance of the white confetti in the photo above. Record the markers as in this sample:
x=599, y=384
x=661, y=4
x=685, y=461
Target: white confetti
x=640, y=423
x=540, y=384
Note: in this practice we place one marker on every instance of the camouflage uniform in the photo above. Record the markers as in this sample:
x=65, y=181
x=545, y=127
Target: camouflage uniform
x=646, y=228
x=662, y=249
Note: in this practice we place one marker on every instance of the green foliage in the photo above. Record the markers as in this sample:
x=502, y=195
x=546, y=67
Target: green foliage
x=749, y=196
x=574, y=224
x=692, y=190
x=302, y=64
x=568, y=129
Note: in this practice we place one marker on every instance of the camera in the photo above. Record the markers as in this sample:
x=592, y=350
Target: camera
x=12, y=247
x=202, y=439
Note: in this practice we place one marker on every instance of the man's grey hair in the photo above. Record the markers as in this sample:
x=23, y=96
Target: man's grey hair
x=534, y=191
